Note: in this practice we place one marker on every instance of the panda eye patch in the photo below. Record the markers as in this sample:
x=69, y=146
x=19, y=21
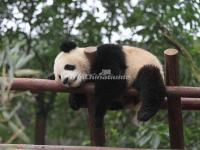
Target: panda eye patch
x=59, y=76
x=69, y=67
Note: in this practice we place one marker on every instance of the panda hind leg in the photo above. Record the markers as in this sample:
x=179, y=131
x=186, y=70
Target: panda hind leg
x=150, y=84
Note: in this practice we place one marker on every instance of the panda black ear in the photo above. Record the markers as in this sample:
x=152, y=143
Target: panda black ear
x=67, y=46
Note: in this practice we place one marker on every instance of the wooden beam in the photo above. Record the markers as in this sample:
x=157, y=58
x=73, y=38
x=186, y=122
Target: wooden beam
x=174, y=101
x=183, y=91
x=187, y=104
x=37, y=85
x=190, y=95
x=190, y=103
x=56, y=147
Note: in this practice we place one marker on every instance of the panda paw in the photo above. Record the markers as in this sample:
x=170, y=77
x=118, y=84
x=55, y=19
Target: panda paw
x=73, y=104
x=145, y=115
x=77, y=101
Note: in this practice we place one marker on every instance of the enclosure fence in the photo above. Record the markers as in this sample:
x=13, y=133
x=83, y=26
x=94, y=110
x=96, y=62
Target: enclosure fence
x=178, y=98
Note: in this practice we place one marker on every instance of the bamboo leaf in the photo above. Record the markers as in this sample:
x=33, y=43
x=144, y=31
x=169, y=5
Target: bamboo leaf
x=27, y=73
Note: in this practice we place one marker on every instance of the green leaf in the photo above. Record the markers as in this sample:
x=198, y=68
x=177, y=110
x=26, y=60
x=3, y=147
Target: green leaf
x=27, y=73
x=23, y=60
x=143, y=140
x=155, y=140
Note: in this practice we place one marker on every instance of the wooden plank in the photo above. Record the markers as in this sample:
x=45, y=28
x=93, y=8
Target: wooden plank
x=174, y=102
x=56, y=147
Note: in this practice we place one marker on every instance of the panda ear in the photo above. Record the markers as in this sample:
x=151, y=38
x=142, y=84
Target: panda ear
x=90, y=52
x=67, y=46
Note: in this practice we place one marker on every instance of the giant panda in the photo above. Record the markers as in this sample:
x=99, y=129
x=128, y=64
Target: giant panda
x=143, y=70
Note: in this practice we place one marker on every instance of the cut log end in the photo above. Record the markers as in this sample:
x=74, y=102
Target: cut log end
x=171, y=52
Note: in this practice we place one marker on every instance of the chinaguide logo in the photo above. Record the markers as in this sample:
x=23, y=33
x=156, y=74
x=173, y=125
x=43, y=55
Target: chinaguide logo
x=106, y=74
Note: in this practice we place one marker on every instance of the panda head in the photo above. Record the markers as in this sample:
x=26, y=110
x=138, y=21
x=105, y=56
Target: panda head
x=72, y=64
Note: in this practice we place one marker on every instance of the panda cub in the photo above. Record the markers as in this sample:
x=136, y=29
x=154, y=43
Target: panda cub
x=138, y=68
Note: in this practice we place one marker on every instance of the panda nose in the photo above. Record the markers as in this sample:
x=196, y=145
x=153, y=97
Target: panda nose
x=65, y=81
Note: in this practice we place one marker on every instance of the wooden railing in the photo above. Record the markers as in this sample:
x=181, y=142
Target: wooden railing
x=178, y=97
x=56, y=147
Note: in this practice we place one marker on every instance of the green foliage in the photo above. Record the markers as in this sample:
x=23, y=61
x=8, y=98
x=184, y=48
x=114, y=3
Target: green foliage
x=30, y=35
x=62, y=128
x=11, y=124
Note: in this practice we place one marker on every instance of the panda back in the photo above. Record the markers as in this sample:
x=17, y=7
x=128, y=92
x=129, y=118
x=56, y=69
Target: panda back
x=135, y=59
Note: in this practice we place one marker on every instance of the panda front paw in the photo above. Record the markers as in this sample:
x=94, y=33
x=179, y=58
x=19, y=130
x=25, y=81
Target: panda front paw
x=73, y=103
x=146, y=114
x=77, y=101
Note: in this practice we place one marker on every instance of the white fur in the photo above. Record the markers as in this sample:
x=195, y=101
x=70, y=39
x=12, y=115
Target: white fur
x=75, y=57
x=135, y=58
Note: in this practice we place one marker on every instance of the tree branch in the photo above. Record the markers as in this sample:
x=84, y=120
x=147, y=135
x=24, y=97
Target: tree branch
x=172, y=40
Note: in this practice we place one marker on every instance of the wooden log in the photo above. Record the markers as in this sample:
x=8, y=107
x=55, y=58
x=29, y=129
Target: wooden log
x=187, y=104
x=40, y=129
x=183, y=91
x=38, y=85
x=174, y=101
x=40, y=119
x=97, y=135
x=55, y=147
x=190, y=103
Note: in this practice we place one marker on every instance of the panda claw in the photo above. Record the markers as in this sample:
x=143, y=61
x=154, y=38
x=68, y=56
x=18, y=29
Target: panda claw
x=145, y=113
x=144, y=116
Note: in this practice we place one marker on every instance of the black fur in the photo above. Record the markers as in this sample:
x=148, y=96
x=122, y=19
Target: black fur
x=67, y=46
x=109, y=57
x=51, y=76
x=148, y=82
x=152, y=91
x=77, y=101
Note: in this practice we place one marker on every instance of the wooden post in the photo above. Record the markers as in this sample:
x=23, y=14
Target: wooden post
x=174, y=102
x=97, y=135
x=40, y=129
x=40, y=119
